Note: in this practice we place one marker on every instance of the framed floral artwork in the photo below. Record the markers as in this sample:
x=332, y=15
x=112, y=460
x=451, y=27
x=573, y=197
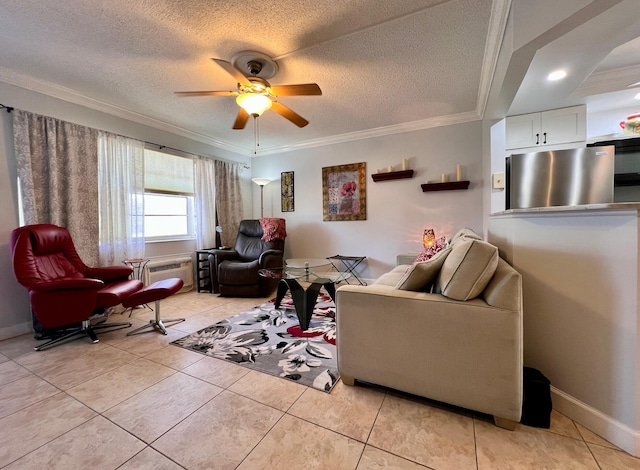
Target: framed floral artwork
x=344, y=195
x=287, y=202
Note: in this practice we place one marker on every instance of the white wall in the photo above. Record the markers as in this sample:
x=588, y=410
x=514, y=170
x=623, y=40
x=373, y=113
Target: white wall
x=580, y=275
x=397, y=211
x=498, y=163
x=15, y=317
x=14, y=308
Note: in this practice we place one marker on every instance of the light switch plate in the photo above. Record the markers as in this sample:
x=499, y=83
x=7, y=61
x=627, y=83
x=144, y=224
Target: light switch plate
x=497, y=181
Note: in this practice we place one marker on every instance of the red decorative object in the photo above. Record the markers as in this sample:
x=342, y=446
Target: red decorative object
x=273, y=229
x=430, y=251
x=348, y=189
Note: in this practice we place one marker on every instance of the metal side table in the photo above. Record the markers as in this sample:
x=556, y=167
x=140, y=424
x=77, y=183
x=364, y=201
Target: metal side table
x=350, y=263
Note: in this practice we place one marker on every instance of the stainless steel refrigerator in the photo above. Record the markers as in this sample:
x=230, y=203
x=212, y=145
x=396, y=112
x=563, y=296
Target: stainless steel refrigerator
x=560, y=178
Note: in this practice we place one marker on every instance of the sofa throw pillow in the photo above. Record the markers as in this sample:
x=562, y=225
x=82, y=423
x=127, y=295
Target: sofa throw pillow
x=465, y=233
x=420, y=276
x=273, y=229
x=468, y=269
x=430, y=251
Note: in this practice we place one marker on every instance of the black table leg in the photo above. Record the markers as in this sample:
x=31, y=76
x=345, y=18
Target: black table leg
x=330, y=287
x=283, y=287
x=304, y=301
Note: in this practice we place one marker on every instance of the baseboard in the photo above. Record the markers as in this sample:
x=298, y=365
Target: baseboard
x=15, y=330
x=605, y=426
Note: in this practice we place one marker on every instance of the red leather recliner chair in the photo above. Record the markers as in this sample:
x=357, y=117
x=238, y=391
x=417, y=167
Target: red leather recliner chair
x=63, y=291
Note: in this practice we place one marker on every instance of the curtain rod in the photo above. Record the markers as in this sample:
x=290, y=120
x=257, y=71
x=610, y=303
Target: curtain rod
x=160, y=147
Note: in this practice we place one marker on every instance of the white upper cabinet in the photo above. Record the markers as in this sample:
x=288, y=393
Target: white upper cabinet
x=553, y=127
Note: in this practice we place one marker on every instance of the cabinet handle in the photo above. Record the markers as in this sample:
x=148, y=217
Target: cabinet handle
x=545, y=138
x=537, y=139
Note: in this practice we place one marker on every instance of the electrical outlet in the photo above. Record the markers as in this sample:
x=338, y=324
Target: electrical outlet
x=497, y=181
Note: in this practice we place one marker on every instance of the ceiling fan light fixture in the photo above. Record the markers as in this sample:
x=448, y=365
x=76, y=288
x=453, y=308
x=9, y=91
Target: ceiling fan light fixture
x=253, y=103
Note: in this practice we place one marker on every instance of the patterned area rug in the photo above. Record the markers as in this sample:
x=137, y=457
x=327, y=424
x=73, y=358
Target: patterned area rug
x=271, y=341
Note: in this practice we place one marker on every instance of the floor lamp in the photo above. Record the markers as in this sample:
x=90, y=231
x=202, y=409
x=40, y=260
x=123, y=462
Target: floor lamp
x=261, y=182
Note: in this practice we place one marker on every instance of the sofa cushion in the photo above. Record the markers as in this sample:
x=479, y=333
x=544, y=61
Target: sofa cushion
x=464, y=233
x=468, y=269
x=391, y=278
x=421, y=275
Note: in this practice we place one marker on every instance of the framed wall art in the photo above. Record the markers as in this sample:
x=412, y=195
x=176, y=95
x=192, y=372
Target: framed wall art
x=344, y=195
x=287, y=201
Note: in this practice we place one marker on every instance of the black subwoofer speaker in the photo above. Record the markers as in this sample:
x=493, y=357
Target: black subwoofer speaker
x=536, y=399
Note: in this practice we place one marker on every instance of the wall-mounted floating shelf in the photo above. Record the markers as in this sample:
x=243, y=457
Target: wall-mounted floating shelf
x=392, y=175
x=452, y=185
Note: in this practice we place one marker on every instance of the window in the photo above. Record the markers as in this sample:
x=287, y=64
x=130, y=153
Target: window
x=168, y=197
x=168, y=216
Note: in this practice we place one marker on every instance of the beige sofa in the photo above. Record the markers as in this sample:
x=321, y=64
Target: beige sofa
x=456, y=339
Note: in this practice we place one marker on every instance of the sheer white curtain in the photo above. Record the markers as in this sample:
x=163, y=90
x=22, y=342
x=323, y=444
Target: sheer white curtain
x=121, y=198
x=205, y=190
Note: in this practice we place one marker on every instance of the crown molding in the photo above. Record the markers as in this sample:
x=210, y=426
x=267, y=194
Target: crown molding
x=66, y=94
x=495, y=35
x=429, y=123
x=608, y=81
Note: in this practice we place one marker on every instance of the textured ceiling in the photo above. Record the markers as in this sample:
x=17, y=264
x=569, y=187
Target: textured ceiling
x=378, y=63
x=383, y=66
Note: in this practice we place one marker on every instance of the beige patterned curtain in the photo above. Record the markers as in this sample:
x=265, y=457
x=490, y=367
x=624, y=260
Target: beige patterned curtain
x=228, y=200
x=57, y=164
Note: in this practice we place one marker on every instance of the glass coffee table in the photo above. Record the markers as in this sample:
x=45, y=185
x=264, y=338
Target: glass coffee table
x=304, y=299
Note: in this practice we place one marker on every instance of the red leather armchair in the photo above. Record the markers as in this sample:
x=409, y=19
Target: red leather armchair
x=63, y=291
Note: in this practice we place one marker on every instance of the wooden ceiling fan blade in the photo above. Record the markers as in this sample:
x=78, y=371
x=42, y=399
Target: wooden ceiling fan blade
x=241, y=119
x=287, y=113
x=303, y=89
x=205, y=93
x=234, y=72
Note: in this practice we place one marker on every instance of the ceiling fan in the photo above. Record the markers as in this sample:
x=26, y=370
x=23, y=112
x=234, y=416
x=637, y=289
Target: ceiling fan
x=255, y=94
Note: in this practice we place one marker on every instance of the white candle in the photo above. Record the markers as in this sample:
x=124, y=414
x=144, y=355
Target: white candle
x=404, y=163
x=379, y=171
x=443, y=178
x=389, y=168
x=459, y=172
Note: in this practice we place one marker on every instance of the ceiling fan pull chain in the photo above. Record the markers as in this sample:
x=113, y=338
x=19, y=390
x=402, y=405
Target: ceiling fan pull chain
x=256, y=134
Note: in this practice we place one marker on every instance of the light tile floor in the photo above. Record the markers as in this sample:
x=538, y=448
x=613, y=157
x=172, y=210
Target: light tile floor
x=139, y=403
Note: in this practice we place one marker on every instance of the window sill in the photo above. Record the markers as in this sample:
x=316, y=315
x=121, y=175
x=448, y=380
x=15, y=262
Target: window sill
x=170, y=240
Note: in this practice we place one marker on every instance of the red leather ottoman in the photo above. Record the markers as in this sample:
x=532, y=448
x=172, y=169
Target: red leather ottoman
x=154, y=293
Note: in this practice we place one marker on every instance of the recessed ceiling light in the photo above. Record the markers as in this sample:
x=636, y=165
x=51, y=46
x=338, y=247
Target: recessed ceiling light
x=637, y=96
x=557, y=75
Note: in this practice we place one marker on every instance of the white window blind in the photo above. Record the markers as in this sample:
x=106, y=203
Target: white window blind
x=168, y=174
